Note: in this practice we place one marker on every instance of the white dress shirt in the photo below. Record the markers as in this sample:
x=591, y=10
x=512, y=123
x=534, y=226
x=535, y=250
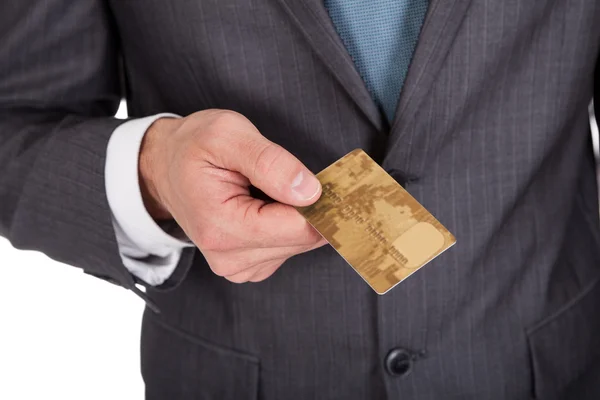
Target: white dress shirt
x=147, y=250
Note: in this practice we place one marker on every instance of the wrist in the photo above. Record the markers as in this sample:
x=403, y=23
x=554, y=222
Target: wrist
x=149, y=167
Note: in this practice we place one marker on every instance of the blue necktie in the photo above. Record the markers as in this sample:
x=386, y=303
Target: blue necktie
x=380, y=36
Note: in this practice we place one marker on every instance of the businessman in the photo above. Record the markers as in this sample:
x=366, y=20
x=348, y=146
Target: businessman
x=479, y=108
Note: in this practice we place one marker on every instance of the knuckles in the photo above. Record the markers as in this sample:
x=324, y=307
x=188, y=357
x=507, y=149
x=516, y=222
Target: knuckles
x=223, y=268
x=238, y=279
x=228, y=267
x=267, y=272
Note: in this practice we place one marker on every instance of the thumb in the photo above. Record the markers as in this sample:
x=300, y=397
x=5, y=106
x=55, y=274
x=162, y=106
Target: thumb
x=268, y=166
x=280, y=175
x=272, y=169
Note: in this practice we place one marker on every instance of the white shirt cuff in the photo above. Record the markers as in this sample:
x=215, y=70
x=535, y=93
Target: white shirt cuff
x=147, y=251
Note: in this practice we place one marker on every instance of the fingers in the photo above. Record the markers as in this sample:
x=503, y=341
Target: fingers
x=265, y=270
x=241, y=221
x=238, y=146
x=228, y=264
x=271, y=225
x=264, y=273
x=257, y=274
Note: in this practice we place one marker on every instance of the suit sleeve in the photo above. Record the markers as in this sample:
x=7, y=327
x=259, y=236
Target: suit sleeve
x=597, y=91
x=59, y=90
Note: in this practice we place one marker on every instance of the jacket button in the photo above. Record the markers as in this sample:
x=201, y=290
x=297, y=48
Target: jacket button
x=398, y=362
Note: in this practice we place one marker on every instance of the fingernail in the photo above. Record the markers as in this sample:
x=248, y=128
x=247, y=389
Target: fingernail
x=305, y=186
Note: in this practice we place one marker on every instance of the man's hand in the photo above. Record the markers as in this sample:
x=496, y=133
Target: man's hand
x=198, y=170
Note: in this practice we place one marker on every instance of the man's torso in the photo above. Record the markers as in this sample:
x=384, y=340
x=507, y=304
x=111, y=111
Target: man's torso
x=492, y=132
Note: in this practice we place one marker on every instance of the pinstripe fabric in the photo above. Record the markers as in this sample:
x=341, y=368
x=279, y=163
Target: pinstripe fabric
x=492, y=125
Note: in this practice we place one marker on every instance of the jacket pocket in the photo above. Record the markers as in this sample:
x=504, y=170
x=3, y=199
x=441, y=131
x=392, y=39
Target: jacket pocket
x=565, y=350
x=180, y=366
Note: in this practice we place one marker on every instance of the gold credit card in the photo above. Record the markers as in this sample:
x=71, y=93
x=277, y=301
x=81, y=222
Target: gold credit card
x=373, y=223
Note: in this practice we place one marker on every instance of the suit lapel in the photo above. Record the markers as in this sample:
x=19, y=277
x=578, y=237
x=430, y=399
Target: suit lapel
x=313, y=21
x=440, y=27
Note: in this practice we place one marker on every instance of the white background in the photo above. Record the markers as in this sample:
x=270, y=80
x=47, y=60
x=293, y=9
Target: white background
x=65, y=335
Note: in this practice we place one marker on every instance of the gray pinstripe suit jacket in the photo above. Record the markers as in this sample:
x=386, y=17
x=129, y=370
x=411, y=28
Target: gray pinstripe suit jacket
x=491, y=135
